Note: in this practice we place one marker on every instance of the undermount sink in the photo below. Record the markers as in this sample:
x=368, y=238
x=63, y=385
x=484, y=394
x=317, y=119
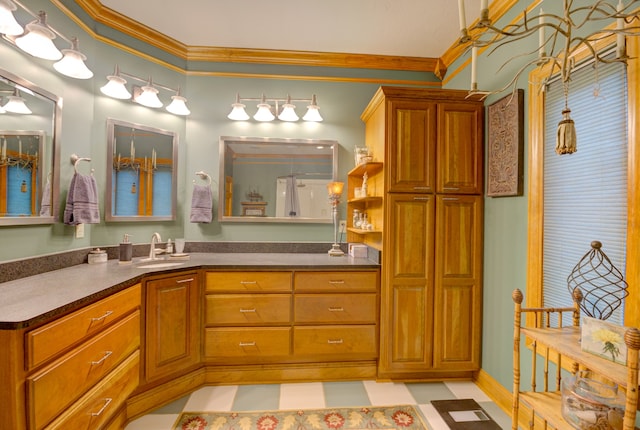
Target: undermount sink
x=158, y=265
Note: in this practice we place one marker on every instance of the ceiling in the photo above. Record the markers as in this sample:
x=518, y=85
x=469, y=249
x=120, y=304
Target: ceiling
x=411, y=28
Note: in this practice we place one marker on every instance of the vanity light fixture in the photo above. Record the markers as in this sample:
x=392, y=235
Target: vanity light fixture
x=283, y=109
x=37, y=38
x=288, y=111
x=115, y=86
x=72, y=64
x=146, y=95
x=313, y=111
x=16, y=104
x=8, y=23
x=178, y=105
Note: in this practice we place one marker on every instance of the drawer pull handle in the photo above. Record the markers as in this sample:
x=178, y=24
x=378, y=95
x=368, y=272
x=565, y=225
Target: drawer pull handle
x=106, y=314
x=248, y=282
x=106, y=403
x=421, y=188
x=243, y=344
x=336, y=309
x=247, y=310
x=422, y=199
x=106, y=355
x=450, y=199
x=450, y=188
x=182, y=281
x=340, y=281
x=335, y=341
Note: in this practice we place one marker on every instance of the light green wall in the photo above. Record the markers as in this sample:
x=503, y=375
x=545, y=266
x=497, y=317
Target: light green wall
x=86, y=110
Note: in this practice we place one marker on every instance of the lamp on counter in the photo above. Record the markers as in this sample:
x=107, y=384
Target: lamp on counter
x=37, y=39
x=560, y=37
x=145, y=95
x=283, y=109
x=335, y=191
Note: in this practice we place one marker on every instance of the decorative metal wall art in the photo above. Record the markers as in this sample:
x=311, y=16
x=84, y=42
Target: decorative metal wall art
x=506, y=146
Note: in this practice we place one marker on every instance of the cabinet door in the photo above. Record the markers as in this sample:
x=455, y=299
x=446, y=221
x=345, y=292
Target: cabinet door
x=412, y=138
x=458, y=283
x=406, y=320
x=459, y=153
x=172, y=329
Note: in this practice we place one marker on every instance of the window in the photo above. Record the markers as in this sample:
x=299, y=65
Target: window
x=536, y=192
x=585, y=193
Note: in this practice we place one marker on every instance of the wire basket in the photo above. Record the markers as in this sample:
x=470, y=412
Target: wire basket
x=601, y=283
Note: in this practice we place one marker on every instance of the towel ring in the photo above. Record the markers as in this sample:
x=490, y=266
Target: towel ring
x=75, y=160
x=204, y=176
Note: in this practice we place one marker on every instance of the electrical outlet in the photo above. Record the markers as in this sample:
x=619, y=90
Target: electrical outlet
x=343, y=225
x=79, y=231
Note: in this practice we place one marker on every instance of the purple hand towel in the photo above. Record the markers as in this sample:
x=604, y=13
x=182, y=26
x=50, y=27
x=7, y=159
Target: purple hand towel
x=82, y=201
x=201, y=204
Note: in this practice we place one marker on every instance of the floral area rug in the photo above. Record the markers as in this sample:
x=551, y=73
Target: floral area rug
x=403, y=417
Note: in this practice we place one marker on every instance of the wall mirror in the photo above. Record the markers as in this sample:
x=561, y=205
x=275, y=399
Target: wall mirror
x=142, y=172
x=30, y=120
x=276, y=180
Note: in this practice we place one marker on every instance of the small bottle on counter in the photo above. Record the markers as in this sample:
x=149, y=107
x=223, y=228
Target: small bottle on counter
x=169, y=248
x=126, y=250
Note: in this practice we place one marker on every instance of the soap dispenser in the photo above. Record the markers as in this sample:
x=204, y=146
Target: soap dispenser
x=126, y=250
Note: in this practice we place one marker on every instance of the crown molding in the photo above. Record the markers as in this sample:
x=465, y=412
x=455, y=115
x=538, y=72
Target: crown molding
x=110, y=18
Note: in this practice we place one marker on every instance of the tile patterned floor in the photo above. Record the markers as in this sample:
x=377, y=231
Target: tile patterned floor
x=321, y=395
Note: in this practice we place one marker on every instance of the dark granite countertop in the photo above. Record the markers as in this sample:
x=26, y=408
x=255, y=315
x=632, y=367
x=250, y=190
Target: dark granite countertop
x=35, y=299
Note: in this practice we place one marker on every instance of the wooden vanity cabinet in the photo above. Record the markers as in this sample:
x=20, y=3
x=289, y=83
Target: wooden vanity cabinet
x=81, y=368
x=247, y=317
x=290, y=316
x=172, y=325
x=335, y=316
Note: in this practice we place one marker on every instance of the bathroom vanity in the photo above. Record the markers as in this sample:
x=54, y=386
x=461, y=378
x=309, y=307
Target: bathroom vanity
x=94, y=346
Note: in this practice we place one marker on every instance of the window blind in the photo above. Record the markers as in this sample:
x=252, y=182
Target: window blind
x=585, y=193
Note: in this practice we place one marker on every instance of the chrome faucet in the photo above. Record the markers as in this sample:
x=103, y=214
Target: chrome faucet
x=155, y=238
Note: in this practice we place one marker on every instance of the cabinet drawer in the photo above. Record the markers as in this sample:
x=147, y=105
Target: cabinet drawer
x=336, y=308
x=51, y=339
x=247, y=342
x=101, y=402
x=350, y=342
x=245, y=309
x=56, y=386
x=336, y=281
x=248, y=281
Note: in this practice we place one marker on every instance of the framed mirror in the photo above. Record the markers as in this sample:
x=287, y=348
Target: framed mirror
x=30, y=119
x=276, y=180
x=142, y=172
